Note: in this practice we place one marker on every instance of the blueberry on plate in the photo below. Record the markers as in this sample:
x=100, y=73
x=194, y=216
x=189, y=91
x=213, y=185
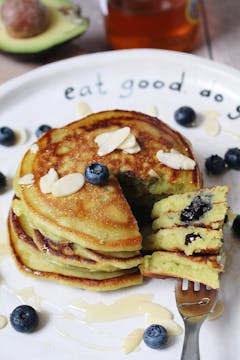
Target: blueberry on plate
x=215, y=165
x=24, y=318
x=236, y=226
x=97, y=174
x=185, y=116
x=3, y=182
x=232, y=158
x=7, y=136
x=155, y=336
x=42, y=129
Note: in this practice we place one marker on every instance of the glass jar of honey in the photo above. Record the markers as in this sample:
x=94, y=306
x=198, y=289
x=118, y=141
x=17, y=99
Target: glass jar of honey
x=165, y=24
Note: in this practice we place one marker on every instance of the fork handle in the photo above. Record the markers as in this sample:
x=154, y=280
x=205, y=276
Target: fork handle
x=190, y=349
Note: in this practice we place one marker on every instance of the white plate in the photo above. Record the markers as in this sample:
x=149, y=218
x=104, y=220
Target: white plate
x=136, y=80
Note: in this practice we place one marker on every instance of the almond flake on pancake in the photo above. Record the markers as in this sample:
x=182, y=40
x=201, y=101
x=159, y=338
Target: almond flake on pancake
x=27, y=179
x=68, y=184
x=34, y=148
x=101, y=138
x=113, y=141
x=153, y=174
x=175, y=160
x=128, y=145
x=132, y=150
x=129, y=142
x=47, y=181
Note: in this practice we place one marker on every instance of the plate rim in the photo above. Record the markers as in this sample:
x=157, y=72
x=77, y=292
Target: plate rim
x=116, y=54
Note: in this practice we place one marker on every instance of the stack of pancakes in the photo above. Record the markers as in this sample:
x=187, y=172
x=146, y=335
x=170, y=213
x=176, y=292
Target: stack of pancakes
x=91, y=238
x=188, y=237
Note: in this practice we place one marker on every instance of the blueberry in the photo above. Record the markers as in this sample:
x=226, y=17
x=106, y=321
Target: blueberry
x=24, y=319
x=195, y=210
x=155, y=336
x=42, y=129
x=7, y=136
x=185, y=116
x=232, y=158
x=215, y=165
x=236, y=226
x=97, y=174
x=3, y=182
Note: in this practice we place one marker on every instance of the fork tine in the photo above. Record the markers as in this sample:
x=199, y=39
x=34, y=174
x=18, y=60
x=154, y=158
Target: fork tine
x=179, y=285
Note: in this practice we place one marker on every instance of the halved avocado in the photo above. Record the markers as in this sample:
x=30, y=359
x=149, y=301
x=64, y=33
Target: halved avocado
x=64, y=25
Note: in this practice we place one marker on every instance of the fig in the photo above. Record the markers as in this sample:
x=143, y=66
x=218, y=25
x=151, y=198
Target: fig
x=24, y=18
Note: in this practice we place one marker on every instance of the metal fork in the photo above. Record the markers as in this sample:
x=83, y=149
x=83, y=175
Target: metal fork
x=194, y=307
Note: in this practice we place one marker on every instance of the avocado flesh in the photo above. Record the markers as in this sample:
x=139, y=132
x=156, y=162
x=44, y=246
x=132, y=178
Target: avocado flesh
x=61, y=29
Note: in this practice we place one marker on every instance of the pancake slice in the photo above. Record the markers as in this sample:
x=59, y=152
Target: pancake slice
x=32, y=262
x=190, y=240
x=205, y=208
x=164, y=264
x=176, y=203
x=188, y=236
x=69, y=254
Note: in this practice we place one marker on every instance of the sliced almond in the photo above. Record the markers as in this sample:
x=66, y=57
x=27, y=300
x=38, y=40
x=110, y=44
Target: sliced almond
x=101, y=138
x=129, y=142
x=27, y=179
x=113, y=141
x=47, y=181
x=211, y=124
x=152, y=110
x=175, y=160
x=68, y=184
x=133, y=150
x=22, y=135
x=34, y=148
x=83, y=109
x=3, y=321
x=153, y=174
x=132, y=340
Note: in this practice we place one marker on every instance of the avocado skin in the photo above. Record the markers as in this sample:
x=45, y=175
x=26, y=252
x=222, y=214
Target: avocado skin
x=61, y=30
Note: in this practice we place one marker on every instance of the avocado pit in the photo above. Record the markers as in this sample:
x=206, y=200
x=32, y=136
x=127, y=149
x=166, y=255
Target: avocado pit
x=24, y=18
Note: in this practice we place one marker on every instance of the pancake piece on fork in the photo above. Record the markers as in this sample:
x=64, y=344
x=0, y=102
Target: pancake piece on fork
x=188, y=237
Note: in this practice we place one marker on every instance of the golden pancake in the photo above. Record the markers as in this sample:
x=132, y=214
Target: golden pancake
x=99, y=217
x=32, y=262
x=67, y=253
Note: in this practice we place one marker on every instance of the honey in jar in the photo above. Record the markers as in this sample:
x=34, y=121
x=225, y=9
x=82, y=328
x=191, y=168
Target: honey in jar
x=165, y=24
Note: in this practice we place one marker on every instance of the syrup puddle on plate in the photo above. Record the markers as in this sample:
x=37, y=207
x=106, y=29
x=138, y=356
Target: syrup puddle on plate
x=85, y=343
x=86, y=314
